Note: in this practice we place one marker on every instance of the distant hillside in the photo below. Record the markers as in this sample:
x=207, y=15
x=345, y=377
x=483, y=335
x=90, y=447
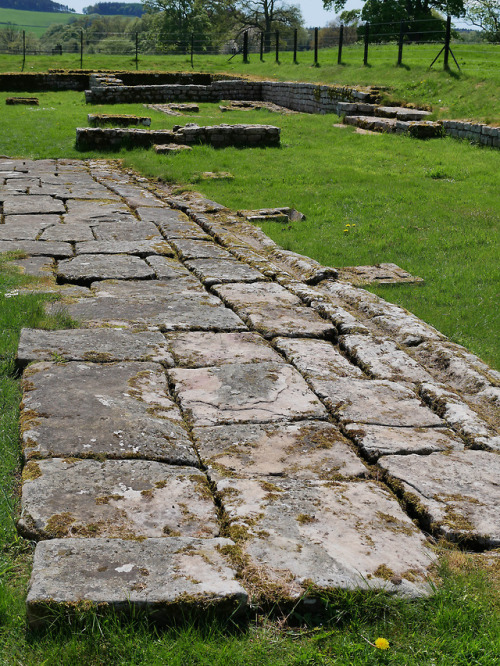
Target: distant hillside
x=34, y=22
x=35, y=6
x=115, y=9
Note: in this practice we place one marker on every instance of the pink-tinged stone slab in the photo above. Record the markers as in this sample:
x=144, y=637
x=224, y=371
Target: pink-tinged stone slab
x=165, y=268
x=194, y=249
x=114, y=498
x=26, y=204
x=382, y=359
x=216, y=271
x=375, y=441
x=169, y=579
x=305, y=450
x=89, y=267
x=126, y=231
x=142, y=248
x=38, y=248
x=458, y=492
x=204, y=349
x=297, y=533
x=104, y=345
x=71, y=233
x=26, y=227
x=245, y=392
x=316, y=358
x=378, y=402
x=114, y=410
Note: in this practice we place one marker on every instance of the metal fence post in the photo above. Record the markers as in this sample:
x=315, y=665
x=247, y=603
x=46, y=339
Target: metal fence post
x=367, y=39
x=24, y=50
x=245, y=46
x=341, y=41
x=316, y=40
x=278, y=46
x=400, y=44
x=81, y=49
x=447, y=38
x=262, y=47
x=295, y=39
x=137, y=50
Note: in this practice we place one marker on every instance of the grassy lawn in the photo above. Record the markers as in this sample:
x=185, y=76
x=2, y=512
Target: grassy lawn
x=431, y=207
x=472, y=93
x=35, y=22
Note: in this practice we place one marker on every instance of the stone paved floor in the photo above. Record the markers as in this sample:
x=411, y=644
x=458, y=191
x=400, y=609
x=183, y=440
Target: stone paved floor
x=230, y=424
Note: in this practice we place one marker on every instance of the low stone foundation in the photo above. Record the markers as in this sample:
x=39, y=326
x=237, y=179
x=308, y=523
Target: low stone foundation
x=122, y=120
x=219, y=136
x=476, y=132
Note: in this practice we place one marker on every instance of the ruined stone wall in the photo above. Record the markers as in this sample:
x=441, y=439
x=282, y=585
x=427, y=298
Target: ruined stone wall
x=311, y=98
x=476, y=132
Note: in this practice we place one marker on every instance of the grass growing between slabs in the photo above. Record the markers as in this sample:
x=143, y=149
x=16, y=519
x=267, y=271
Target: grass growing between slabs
x=471, y=93
x=432, y=207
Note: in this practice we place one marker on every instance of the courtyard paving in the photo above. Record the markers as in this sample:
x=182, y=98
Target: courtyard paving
x=230, y=424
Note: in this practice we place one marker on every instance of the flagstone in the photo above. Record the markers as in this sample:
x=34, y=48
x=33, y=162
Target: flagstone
x=215, y=271
x=166, y=268
x=26, y=227
x=317, y=359
x=68, y=232
x=37, y=248
x=89, y=267
x=126, y=231
x=27, y=204
x=195, y=249
x=173, y=223
x=142, y=248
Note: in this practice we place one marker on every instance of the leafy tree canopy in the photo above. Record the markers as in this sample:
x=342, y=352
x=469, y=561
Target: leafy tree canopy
x=35, y=6
x=412, y=9
x=115, y=9
x=485, y=14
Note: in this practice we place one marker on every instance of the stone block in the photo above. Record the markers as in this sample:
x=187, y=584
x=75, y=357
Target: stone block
x=89, y=267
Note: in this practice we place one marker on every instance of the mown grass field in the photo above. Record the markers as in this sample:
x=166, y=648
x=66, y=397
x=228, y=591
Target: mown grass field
x=35, y=22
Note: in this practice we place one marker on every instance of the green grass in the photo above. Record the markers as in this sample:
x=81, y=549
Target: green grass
x=472, y=93
x=431, y=207
x=35, y=22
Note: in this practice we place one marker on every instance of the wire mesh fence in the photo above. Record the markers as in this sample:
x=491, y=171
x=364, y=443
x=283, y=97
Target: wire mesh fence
x=366, y=43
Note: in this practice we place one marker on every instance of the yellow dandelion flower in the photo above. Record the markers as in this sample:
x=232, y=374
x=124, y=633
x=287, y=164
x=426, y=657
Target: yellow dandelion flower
x=346, y=231
x=347, y=225
x=382, y=644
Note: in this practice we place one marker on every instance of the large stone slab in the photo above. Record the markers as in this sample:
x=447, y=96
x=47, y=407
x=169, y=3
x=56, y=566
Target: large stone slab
x=142, y=248
x=37, y=248
x=126, y=231
x=158, y=291
x=102, y=345
x=68, y=232
x=194, y=249
x=295, y=534
x=378, y=402
x=115, y=498
x=198, y=350
x=382, y=359
x=41, y=267
x=166, y=268
x=245, y=392
x=457, y=492
x=173, y=223
x=119, y=410
x=94, y=212
x=215, y=271
x=375, y=441
x=243, y=296
x=317, y=359
x=169, y=579
x=89, y=267
x=26, y=227
x=302, y=450
x=26, y=204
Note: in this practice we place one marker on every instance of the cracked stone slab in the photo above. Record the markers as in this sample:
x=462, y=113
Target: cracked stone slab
x=167, y=578
x=215, y=271
x=26, y=204
x=68, y=232
x=141, y=248
x=132, y=230
x=338, y=534
x=245, y=392
x=160, y=292
x=382, y=359
x=85, y=212
x=115, y=498
x=198, y=350
x=301, y=450
x=376, y=402
x=166, y=268
x=38, y=248
x=173, y=223
x=99, y=345
x=194, y=249
x=242, y=295
x=375, y=441
x=457, y=492
x=26, y=227
x=90, y=267
x=113, y=410
x=42, y=267
x=317, y=359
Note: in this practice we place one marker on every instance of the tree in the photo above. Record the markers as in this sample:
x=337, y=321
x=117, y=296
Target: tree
x=267, y=16
x=485, y=14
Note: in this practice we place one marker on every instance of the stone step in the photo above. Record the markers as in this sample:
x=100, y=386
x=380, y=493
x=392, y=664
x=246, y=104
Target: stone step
x=423, y=129
x=399, y=112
